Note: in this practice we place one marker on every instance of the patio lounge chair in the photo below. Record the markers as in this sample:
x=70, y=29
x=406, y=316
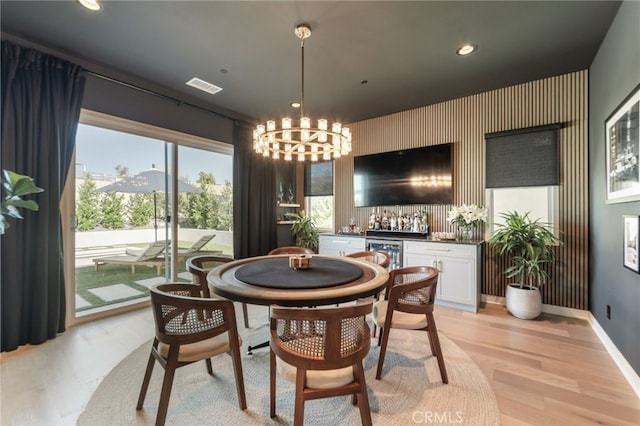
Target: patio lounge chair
x=148, y=257
x=196, y=248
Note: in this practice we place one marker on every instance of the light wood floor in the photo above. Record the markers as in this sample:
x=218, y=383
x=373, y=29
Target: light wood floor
x=551, y=371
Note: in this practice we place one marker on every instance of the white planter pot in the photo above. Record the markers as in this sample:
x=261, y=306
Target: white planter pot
x=524, y=303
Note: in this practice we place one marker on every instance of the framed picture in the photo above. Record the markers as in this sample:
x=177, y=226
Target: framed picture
x=631, y=251
x=623, y=151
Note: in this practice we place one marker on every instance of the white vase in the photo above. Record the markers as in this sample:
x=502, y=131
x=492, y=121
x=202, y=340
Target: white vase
x=525, y=302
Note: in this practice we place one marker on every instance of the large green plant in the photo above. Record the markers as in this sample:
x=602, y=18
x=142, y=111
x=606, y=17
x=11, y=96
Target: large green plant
x=112, y=211
x=88, y=205
x=305, y=230
x=530, y=243
x=15, y=186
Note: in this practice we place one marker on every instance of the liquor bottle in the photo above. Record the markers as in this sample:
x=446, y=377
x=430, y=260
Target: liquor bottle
x=385, y=221
x=378, y=220
x=372, y=219
x=393, y=221
x=400, y=221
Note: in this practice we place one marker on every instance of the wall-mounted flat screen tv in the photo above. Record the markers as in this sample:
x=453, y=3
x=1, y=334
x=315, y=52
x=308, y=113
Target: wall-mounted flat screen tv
x=411, y=176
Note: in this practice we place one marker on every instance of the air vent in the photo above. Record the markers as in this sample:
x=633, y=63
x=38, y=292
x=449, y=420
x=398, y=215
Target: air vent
x=203, y=85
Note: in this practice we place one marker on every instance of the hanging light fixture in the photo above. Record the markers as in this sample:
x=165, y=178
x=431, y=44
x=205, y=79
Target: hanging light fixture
x=303, y=140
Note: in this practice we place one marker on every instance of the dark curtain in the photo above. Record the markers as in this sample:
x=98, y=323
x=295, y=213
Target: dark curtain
x=254, y=199
x=41, y=100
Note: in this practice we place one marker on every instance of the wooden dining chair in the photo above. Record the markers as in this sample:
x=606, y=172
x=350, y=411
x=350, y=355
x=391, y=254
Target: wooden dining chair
x=190, y=328
x=379, y=257
x=200, y=266
x=321, y=350
x=291, y=250
x=408, y=304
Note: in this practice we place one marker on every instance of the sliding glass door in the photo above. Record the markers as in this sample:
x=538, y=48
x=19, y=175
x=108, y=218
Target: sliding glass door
x=120, y=229
x=205, y=221
x=125, y=178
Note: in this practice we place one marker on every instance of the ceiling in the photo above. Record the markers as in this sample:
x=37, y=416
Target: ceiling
x=405, y=51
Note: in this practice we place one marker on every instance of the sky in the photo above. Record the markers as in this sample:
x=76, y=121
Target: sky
x=100, y=150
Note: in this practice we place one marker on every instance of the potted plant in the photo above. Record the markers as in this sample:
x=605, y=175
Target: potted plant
x=530, y=244
x=305, y=230
x=14, y=186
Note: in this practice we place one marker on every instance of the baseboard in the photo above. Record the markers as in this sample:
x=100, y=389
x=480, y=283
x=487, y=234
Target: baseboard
x=627, y=371
x=625, y=368
x=549, y=309
x=566, y=312
x=487, y=298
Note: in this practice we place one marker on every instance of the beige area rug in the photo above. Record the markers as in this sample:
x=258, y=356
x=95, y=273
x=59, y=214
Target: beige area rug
x=410, y=391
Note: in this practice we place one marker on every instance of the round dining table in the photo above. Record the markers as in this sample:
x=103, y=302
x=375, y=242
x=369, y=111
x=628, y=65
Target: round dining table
x=268, y=280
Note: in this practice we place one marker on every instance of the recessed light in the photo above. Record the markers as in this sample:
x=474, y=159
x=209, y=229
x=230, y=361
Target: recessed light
x=295, y=104
x=466, y=49
x=90, y=4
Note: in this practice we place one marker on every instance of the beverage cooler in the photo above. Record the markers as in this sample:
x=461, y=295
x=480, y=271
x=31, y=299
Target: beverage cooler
x=392, y=247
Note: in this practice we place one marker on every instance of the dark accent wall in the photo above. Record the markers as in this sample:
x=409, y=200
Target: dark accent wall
x=140, y=101
x=119, y=100
x=614, y=73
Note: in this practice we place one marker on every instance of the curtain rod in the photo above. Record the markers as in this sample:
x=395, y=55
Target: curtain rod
x=161, y=95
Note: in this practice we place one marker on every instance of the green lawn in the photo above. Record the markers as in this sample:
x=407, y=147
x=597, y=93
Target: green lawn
x=88, y=278
x=226, y=250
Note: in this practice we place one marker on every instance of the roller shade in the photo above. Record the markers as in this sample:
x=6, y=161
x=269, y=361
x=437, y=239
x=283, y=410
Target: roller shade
x=318, y=179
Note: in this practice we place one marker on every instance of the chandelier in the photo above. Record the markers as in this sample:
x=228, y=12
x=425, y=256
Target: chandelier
x=303, y=140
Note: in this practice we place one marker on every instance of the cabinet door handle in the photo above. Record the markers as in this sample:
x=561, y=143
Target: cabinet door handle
x=437, y=264
x=435, y=249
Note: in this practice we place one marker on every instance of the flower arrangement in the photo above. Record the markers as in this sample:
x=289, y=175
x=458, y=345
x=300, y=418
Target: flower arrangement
x=467, y=217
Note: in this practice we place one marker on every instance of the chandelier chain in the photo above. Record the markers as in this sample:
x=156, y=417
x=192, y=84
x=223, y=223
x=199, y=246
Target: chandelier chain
x=302, y=82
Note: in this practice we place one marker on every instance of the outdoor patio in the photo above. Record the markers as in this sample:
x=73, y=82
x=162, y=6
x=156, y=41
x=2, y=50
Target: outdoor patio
x=113, y=284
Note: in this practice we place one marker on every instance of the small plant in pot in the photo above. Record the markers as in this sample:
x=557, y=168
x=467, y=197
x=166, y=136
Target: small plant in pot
x=305, y=230
x=531, y=246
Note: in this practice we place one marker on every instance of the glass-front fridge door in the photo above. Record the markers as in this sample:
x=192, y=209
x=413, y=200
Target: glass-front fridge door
x=392, y=248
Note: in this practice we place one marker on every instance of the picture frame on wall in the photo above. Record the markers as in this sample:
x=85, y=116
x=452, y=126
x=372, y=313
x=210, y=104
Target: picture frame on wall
x=631, y=249
x=622, y=139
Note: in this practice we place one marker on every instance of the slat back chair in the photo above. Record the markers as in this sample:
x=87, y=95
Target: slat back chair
x=408, y=304
x=200, y=266
x=321, y=351
x=291, y=250
x=188, y=329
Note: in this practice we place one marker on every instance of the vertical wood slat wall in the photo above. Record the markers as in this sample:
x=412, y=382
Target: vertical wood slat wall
x=465, y=121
